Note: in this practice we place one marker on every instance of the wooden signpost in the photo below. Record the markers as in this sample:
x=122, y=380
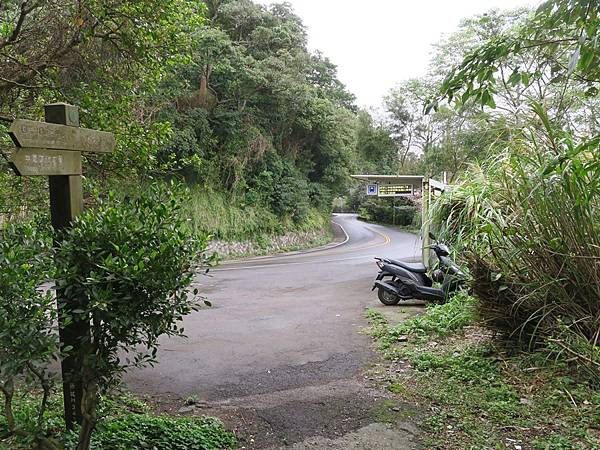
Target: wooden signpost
x=28, y=133
x=53, y=148
x=41, y=161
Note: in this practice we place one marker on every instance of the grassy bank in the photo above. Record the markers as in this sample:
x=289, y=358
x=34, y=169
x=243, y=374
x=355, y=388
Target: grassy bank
x=479, y=394
x=230, y=219
x=125, y=423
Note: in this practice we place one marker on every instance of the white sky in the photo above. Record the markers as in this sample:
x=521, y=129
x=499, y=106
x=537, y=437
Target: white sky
x=378, y=43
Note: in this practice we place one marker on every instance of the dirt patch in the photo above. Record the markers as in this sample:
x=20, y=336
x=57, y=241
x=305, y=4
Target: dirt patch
x=400, y=312
x=374, y=436
x=349, y=413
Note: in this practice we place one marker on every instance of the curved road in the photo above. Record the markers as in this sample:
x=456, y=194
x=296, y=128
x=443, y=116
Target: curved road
x=278, y=323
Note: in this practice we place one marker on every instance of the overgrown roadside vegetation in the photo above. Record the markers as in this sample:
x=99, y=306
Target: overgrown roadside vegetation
x=123, y=274
x=518, y=364
x=125, y=423
x=480, y=392
x=400, y=212
x=239, y=228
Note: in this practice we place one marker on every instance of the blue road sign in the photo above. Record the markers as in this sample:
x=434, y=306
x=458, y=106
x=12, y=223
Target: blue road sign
x=372, y=189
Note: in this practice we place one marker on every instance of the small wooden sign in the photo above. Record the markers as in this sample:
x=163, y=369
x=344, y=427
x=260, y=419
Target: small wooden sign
x=29, y=133
x=43, y=161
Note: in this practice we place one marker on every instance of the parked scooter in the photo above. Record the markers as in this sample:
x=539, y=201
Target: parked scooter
x=399, y=280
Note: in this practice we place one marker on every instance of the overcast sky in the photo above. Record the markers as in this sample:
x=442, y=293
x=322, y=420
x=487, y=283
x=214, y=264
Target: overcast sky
x=378, y=43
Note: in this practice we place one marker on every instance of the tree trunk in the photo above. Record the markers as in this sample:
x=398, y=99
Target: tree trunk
x=44, y=382
x=89, y=401
x=8, y=389
x=203, y=91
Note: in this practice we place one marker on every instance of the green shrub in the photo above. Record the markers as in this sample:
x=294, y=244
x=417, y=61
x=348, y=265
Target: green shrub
x=528, y=226
x=137, y=431
x=125, y=422
x=128, y=267
x=384, y=211
x=291, y=198
x=28, y=338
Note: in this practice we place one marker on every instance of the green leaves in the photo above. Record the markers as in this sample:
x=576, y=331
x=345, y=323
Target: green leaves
x=130, y=431
x=558, y=28
x=130, y=266
x=28, y=338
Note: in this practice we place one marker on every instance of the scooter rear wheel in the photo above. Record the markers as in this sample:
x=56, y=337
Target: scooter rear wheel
x=387, y=298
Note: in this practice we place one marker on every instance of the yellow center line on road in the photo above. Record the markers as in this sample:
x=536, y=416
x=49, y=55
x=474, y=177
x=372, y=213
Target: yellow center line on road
x=338, y=251
x=345, y=250
x=386, y=241
x=335, y=249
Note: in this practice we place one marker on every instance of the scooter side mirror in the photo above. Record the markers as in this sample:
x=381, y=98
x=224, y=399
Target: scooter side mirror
x=432, y=236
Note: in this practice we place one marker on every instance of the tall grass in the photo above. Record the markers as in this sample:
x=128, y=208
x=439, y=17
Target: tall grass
x=225, y=216
x=231, y=219
x=527, y=224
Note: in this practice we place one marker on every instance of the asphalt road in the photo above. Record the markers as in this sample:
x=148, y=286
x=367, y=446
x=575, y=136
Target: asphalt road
x=278, y=323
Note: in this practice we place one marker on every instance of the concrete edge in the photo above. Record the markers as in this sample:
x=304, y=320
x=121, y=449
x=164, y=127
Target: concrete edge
x=295, y=252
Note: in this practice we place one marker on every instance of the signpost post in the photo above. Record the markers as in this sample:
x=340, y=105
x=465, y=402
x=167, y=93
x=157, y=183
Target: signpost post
x=53, y=148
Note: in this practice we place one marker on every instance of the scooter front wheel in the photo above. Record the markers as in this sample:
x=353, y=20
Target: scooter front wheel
x=387, y=298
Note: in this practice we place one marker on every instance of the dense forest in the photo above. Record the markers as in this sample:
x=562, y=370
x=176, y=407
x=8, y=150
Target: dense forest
x=225, y=96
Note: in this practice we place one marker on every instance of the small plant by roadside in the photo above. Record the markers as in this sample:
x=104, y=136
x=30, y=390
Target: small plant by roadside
x=127, y=267
x=478, y=394
x=125, y=423
x=28, y=338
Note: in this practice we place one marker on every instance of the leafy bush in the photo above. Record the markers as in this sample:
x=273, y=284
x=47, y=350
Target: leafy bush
x=128, y=267
x=290, y=198
x=529, y=229
x=28, y=337
x=383, y=211
x=125, y=422
x=133, y=431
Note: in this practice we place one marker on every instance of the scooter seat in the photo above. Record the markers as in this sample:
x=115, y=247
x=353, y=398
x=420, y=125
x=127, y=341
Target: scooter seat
x=412, y=267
